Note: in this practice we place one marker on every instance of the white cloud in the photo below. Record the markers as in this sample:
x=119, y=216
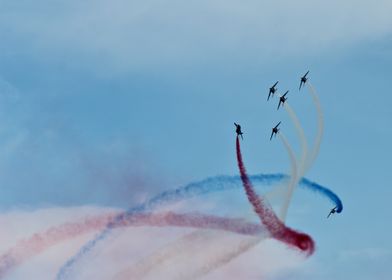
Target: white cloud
x=139, y=34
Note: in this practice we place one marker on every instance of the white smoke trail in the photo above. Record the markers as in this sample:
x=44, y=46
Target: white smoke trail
x=304, y=143
x=194, y=255
x=300, y=164
x=306, y=160
x=293, y=181
x=320, y=127
x=143, y=267
x=224, y=254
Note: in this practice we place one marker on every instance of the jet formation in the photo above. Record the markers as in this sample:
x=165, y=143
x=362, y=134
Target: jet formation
x=275, y=129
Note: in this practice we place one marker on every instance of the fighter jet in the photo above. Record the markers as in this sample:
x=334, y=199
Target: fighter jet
x=333, y=211
x=272, y=90
x=238, y=130
x=303, y=80
x=275, y=130
x=282, y=99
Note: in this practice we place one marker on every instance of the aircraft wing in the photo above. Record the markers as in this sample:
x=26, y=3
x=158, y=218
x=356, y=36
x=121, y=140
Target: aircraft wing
x=279, y=104
x=271, y=135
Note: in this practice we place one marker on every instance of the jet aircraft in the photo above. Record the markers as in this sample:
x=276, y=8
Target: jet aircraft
x=238, y=130
x=272, y=90
x=303, y=80
x=275, y=130
x=333, y=211
x=282, y=99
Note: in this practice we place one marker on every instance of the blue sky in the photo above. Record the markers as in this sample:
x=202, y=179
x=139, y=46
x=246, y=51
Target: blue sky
x=97, y=94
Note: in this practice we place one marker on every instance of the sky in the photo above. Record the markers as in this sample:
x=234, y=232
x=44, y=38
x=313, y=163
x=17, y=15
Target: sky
x=106, y=103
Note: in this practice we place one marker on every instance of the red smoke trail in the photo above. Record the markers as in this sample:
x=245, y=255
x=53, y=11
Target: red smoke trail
x=40, y=242
x=267, y=216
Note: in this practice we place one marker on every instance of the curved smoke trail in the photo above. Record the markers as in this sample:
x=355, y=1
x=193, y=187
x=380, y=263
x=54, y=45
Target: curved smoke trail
x=306, y=160
x=320, y=125
x=298, y=165
x=328, y=193
x=144, y=266
x=302, y=138
x=188, y=247
x=208, y=185
x=300, y=132
x=267, y=216
x=293, y=180
x=40, y=242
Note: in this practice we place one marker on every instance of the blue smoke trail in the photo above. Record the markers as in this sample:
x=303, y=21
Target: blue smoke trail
x=324, y=191
x=208, y=185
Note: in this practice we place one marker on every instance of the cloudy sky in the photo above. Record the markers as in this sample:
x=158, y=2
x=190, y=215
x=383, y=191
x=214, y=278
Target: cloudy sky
x=106, y=103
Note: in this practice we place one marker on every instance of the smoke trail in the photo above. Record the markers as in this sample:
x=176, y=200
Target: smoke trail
x=300, y=131
x=293, y=180
x=40, y=242
x=144, y=266
x=275, y=227
x=302, y=138
x=227, y=254
x=208, y=185
x=313, y=186
x=305, y=162
x=320, y=125
x=188, y=247
x=298, y=167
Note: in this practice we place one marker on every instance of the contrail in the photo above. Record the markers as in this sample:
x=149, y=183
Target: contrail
x=293, y=180
x=267, y=216
x=208, y=185
x=40, y=242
